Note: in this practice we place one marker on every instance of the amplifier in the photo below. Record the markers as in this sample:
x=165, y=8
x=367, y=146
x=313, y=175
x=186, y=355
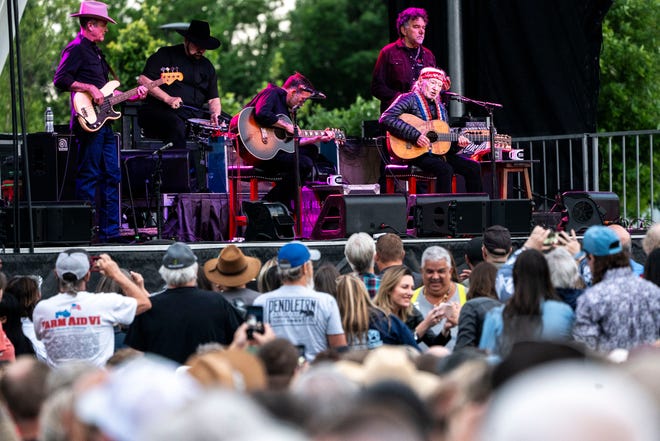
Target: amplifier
x=178, y=172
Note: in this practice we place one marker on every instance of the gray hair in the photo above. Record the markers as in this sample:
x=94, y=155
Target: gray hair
x=434, y=254
x=359, y=251
x=651, y=240
x=179, y=277
x=291, y=274
x=564, y=271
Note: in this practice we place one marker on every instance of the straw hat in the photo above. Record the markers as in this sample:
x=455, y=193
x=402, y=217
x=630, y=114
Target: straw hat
x=232, y=268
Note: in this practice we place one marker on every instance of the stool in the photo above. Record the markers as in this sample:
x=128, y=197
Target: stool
x=504, y=168
x=408, y=173
x=246, y=173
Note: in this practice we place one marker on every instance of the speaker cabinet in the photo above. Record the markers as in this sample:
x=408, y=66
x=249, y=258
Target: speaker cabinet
x=53, y=224
x=586, y=208
x=138, y=166
x=267, y=221
x=514, y=214
x=450, y=214
x=343, y=215
x=53, y=164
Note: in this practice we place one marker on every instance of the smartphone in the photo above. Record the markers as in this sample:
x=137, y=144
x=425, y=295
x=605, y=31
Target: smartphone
x=551, y=239
x=92, y=263
x=254, y=317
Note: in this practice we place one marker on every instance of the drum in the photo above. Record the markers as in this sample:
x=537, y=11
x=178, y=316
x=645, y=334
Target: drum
x=201, y=130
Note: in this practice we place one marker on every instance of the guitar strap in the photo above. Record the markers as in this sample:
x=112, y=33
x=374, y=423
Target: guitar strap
x=112, y=71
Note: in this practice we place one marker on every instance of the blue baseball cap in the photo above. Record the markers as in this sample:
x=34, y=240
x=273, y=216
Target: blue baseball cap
x=601, y=241
x=295, y=254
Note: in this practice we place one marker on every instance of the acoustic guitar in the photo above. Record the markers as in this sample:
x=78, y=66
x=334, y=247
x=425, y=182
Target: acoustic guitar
x=92, y=116
x=264, y=142
x=436, y=131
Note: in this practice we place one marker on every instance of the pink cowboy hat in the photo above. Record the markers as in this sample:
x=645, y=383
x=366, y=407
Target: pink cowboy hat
x=94, y=9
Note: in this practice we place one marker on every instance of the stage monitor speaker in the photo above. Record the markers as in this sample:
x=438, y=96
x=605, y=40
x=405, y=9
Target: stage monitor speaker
x=586, y=208
x=453, y=214
x=53, y=224
x=268, y=221
x=53, y=160
x=138, y=166
x=514, y=214
x=343, y=215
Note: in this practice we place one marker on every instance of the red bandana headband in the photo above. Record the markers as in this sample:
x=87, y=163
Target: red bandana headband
x=432, y=73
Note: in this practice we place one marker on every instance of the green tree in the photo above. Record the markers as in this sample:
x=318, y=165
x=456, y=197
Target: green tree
x=630, y=92
x=335, y=44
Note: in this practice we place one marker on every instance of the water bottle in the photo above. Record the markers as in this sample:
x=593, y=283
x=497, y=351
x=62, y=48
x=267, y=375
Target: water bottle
x=48, y=117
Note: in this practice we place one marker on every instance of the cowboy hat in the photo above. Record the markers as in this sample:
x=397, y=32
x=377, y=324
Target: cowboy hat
x=199, y=33
x=95, y=10
x=232, y=268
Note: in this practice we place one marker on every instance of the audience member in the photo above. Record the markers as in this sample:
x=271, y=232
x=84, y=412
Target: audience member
x=651, y=239
x=394, y=297
x=481, y=298
x=496, y=245
x=297, y=312
x=79, y=325
x=473, y=256
x=23, y=391
x=106, y=284
x=183, y=316
x=626, y=243
x=269, y=278
x=652, y=267
x=7, y=351
x=439, y=290
x=538, y=240
x=390, y=253
x=365, y=325
x=360, y=251
x=534, y=312
x=565, y=276
x=281, y=360
x=620, y=310
x=20, y=297
x=231, y=271
x=571, y=402
x=228, y=368
x=325, y=279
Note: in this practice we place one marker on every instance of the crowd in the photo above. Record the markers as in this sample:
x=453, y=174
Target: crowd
x=556, y=340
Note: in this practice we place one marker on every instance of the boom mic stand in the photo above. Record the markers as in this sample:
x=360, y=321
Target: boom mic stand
x=491, y=131
x=296, y=149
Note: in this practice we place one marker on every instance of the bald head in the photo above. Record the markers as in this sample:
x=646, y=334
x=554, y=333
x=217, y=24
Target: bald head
x=623, y=235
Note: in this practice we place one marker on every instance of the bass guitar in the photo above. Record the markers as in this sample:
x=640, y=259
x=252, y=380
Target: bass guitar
x=436, y=131
x=92, y=116
x=264, y=142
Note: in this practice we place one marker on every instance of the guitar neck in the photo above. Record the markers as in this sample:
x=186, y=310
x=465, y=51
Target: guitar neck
x=311, y=133
x=115, y=99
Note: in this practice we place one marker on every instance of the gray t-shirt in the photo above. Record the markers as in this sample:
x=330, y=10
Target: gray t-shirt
x=302, y=316
x=425, y=307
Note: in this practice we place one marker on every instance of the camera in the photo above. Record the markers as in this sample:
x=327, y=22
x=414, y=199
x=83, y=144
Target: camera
x=254, y=318
x=92, y=263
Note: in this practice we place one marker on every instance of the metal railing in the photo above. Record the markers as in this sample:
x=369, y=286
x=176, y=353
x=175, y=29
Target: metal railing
x=618, y=162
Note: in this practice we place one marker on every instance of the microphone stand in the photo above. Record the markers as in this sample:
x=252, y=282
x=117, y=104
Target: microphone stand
x=158, y=181
x=491, y=132
x=296, y=149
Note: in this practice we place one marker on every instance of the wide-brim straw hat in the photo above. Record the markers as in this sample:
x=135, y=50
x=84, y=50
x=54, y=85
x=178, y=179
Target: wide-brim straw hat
x=232, y=268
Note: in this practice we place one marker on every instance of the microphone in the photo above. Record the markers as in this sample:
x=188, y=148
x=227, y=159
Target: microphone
x=448, y=93
x=162, y=149
x=317, y=95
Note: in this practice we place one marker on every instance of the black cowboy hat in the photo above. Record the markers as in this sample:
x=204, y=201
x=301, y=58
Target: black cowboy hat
x=199, y=33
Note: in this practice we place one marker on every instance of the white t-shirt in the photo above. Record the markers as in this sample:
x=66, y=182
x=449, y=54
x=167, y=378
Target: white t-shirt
x=80, y=326
x=302, y=316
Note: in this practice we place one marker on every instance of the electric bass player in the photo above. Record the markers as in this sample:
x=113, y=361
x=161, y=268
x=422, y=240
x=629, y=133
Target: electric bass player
x=274, y=108
x=83, y=69
x=418, y=133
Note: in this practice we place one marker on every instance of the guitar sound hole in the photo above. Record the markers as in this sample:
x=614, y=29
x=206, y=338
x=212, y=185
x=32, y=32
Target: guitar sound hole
x=432, y=136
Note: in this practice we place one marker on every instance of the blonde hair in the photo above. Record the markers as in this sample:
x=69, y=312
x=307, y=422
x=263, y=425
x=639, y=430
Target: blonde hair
x=354, y=305
x=388, y=283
